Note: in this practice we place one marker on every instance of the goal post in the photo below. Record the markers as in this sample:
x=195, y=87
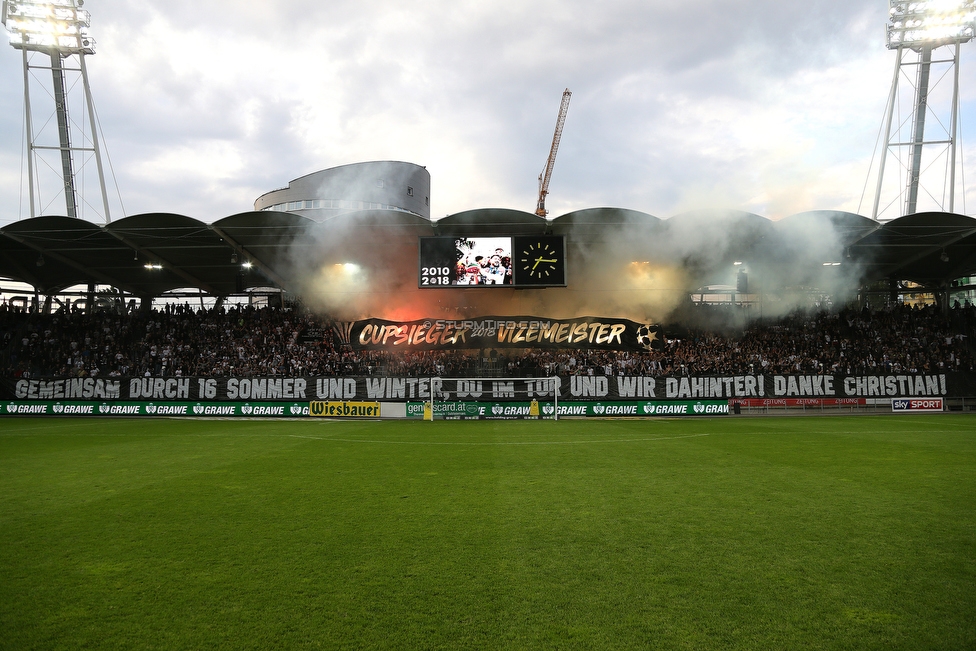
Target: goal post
x=524, y=397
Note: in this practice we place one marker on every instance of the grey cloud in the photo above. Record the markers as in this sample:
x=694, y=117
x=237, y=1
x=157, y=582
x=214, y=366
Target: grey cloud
x=488, y=74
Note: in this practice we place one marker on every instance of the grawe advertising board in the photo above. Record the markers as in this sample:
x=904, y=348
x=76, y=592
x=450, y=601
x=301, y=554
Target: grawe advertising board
x=915, y=406
x=155, y=409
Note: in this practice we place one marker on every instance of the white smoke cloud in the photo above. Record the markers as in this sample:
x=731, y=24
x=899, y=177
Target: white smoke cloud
x=620, y=264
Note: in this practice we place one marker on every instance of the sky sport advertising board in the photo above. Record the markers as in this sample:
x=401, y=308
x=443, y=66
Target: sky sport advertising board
x=510, y=261
x=916, y=405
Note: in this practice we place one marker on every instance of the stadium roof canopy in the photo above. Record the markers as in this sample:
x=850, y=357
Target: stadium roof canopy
x=153, y=253
x=150, y=254
x=931, y=248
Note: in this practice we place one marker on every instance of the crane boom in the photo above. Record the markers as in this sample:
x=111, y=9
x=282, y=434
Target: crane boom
x=547, y=173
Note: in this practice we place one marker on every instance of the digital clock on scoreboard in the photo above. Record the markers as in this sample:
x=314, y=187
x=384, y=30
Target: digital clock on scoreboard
x=512, y=261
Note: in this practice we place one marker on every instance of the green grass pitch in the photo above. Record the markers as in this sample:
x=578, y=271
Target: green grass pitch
x=725, y=533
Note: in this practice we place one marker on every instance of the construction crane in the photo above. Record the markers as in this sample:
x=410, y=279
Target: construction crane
x=547, y=173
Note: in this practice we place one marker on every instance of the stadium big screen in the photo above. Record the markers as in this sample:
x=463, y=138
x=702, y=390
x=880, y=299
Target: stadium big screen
x=513, y=261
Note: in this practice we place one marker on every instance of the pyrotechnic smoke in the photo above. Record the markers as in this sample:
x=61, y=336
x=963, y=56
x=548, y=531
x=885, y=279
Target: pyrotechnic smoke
x=620, y=263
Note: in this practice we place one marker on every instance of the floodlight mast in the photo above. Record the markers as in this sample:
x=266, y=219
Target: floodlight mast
x=923, y=26
x=58, y=28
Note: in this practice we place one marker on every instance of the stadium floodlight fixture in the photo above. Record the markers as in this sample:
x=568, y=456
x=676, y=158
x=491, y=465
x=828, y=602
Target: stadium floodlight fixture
x=59, y=30
x=923, y=26
x=153, y=266
x=930, y=23
x=48, y=26
x=246, y=264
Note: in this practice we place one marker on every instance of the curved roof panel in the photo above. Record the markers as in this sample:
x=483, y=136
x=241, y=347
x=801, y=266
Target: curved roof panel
x=491, y=221
x=847, y=225
x=185, y=246
x=928, y=248
x=594, y=222
x=718, y=236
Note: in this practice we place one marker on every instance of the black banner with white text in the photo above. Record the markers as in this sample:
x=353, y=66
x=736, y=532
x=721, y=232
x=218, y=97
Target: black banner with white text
x=570, y=387
x=596, y=333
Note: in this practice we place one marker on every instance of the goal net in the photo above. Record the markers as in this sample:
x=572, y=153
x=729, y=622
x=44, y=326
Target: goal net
x=460, y=398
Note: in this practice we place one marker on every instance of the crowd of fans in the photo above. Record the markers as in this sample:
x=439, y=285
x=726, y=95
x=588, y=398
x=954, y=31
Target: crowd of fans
x=179, y=341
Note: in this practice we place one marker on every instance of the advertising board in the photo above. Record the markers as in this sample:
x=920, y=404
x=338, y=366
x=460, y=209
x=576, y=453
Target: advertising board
x=155, y=409
x=916, y=405
x=547, y=409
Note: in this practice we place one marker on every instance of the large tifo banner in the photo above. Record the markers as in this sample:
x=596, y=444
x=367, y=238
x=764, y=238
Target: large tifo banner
x=569, y=388
x=600, y=333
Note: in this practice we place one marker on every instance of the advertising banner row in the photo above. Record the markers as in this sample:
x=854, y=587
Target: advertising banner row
x=368, y=410
x=589, y=388
x=456, y=410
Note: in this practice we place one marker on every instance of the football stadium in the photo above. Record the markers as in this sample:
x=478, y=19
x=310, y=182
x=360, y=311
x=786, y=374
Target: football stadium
x=332, y=421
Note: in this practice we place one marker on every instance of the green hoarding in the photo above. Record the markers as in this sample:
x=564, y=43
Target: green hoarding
x=508, y=410
x=199, y=409
x=442, y=410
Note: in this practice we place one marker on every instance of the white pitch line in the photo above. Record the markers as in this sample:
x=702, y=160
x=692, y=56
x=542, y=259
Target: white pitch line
x=495, y=443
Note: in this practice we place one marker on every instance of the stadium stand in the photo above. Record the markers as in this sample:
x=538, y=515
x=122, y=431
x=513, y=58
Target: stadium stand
x=180, y=341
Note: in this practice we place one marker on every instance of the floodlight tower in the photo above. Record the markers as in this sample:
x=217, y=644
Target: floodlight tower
x=916, y=31
x=53, y=35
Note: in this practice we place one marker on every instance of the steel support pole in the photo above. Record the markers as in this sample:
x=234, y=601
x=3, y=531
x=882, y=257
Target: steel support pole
x=921, y=108
x=30, y=133
x=952, y=132
x=892, y=96
x=61, y=108
x=94, y=131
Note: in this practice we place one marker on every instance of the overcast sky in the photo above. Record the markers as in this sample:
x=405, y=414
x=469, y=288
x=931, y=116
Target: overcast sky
x=760, y=105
